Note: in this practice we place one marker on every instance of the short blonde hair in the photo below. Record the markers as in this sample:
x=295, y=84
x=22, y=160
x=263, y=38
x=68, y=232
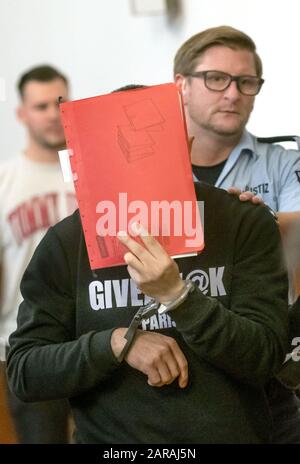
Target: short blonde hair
x=188, y=54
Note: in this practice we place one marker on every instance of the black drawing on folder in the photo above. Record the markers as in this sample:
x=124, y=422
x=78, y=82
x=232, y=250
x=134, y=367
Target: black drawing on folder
x=137, y=139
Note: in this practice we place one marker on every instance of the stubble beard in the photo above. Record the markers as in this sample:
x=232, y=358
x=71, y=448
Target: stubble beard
x=54, y=145
x=47, y=144
x=224, y=131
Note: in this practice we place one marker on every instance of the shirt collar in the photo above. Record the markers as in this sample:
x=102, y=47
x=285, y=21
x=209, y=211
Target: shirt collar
x=244, y=147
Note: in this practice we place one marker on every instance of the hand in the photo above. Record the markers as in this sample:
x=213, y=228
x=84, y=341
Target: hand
x=157, y=356
x=246, y=196
x=154, y=272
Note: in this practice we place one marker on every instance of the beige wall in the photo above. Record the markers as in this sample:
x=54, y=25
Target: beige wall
x=101, y=45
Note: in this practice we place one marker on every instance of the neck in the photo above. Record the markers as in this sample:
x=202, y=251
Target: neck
x=209, y=149
x=40, y=154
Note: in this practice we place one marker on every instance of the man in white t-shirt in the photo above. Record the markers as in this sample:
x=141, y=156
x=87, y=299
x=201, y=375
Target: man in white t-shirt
x=33, y=196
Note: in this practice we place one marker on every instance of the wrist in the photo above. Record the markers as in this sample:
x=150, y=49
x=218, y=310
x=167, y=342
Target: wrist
x=172, y=293
x=188, y=288
x=117, y=341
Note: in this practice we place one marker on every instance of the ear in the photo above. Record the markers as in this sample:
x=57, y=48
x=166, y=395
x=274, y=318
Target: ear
x=20, y=113
x=181, y=83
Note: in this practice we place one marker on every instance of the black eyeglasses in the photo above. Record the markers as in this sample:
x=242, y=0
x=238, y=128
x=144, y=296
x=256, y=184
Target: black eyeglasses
x=217, y=81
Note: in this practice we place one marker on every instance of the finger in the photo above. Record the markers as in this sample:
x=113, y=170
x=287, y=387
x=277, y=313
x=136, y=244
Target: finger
x=183, y=376
x=173, y=368
x=167, y=379
x=164, y=372
x=246, y=196
x=138, y=250
x=154, y=378
x=181, y=363
x=166, y=366
x=250, y=196
x=151, y=244
x=134, y=274
x=133, y=262
x=234, y=191
x=257, y=200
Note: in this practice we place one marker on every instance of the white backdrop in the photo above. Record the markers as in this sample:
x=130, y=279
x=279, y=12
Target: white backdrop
x=101, y=45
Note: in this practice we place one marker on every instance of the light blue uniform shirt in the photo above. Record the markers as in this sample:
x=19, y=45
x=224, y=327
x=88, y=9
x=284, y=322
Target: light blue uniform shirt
x=270, y=171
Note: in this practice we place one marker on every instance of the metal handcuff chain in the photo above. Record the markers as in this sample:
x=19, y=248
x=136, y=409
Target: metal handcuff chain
x=153, y=307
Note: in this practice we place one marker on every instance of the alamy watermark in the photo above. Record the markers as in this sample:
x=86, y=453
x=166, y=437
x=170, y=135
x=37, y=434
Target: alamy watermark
x=159, y=218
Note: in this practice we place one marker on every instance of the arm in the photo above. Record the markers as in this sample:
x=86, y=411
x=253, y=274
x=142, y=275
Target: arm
x=246, y=340
x=285, y=219
x=288, y=195
x=46, y=361
x=155, y=355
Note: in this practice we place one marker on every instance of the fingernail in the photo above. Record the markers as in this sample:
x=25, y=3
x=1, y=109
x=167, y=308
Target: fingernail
x=135, y=228
x=183, y=383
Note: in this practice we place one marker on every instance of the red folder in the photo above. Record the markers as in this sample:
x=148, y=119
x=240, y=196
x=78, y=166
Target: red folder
x=130, y=162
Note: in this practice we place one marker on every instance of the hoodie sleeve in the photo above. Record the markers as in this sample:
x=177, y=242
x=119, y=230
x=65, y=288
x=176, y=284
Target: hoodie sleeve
x=248, y=339
x=45, y=360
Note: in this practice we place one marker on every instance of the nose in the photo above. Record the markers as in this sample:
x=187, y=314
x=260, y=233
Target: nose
x=53, y=112
x=232, y=92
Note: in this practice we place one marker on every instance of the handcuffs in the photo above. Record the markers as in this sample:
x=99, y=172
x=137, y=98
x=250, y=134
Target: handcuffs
x=153, y=307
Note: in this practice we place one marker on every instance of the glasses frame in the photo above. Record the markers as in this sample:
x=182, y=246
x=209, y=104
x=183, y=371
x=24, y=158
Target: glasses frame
x=203, y=75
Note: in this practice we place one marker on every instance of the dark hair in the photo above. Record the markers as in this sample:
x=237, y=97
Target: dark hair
x=44, y=73
x=189, y=53
x=130, y=87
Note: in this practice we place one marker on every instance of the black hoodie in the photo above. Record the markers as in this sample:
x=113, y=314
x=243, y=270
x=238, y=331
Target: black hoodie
x=233, y=331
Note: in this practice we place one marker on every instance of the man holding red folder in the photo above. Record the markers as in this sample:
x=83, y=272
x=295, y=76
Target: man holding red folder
x=189, y=366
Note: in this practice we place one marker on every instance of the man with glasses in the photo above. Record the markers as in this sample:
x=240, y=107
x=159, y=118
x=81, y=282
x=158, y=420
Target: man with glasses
x=219, y=73
x=219, y=81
